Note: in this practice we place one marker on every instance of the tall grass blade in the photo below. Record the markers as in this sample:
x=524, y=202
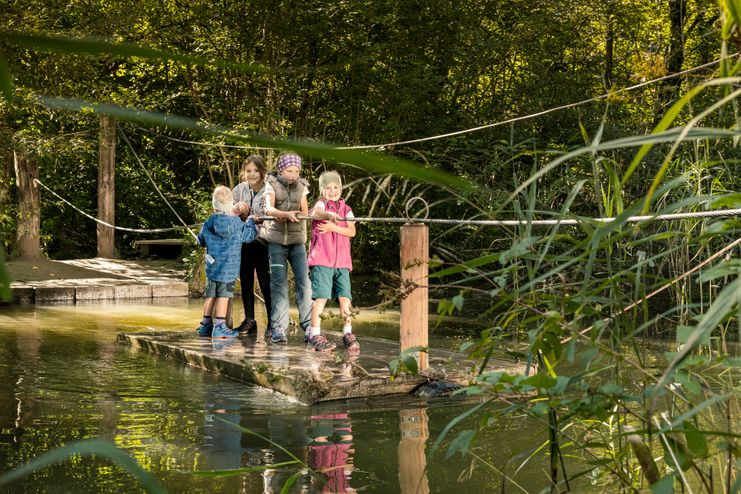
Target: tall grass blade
x=456, y=421
x=664, y=124
x=727, y=301
x=671, y=135
x=86, y=448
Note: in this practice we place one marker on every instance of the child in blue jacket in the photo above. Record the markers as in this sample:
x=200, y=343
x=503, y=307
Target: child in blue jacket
x=222, y=234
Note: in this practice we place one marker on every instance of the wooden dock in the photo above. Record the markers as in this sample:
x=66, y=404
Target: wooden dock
x=93, y=280
x=306, y=375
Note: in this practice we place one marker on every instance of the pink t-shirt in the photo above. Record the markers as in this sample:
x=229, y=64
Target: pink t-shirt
x=330, y=249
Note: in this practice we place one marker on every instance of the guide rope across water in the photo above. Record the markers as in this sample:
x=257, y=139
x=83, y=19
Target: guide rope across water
x=719, y=213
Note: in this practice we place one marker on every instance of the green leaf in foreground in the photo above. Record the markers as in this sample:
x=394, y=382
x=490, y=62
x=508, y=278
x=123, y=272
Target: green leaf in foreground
x=371, y=161
x=91, y=46
x=77, y=46
x=86, y=448
x=664, y=486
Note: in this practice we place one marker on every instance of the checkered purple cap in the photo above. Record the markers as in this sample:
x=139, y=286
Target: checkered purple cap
x=286, y=160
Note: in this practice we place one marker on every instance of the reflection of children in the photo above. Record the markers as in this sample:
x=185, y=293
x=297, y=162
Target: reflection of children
x=222, y=234
x=285, y=199
x=331, y=449
x=330, y=261
x=249, y=197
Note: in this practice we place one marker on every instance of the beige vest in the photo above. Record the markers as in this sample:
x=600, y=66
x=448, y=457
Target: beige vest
x=287, y=198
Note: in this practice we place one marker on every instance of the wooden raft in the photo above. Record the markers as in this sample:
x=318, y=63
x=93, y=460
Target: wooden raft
x=306, y=375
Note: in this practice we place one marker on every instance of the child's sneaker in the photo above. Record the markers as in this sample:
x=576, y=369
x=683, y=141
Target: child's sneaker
x=350, y=342
x=205, y=330
x=276, y=335
x=221, y=331
x=320, y=343
x=248, y=326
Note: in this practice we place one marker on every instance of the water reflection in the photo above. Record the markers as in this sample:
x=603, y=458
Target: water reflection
x=412, y=458
x=331, y=450
x=64, y=378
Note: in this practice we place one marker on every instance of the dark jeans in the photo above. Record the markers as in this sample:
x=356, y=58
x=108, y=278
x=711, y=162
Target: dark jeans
x=254, y=259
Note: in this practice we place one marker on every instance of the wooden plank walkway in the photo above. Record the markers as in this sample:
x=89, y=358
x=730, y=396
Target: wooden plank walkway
x=89, y=280
x=306, y=375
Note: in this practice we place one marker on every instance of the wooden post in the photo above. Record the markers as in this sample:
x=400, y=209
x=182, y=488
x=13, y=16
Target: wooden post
x=414, y=306
x=29, y=209
x=106, y=186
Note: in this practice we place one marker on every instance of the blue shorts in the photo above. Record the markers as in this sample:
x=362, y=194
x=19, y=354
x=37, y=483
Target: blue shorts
x=218, y=289
x=330, y=283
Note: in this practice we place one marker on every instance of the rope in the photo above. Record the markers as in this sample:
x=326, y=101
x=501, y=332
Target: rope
x=155, y=186
x=538, y=114
x=573, y=221
x=674, y=281
x=473, y=129
x=120, y=228
x=207, y=144
x=720, y=213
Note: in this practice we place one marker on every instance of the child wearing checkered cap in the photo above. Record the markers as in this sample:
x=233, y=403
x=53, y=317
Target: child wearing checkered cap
x=285, y=199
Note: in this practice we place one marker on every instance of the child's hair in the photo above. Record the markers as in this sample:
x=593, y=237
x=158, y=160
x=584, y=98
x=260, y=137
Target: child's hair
x=222, y=199
x=287, y=159
x=259, y=163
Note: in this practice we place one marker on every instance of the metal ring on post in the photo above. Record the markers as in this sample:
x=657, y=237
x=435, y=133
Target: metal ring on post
x=409, y=205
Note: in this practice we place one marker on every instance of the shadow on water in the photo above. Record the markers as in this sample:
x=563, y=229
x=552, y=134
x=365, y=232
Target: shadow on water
x=64, y=378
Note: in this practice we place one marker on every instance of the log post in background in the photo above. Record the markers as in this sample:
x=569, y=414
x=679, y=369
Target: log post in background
x=29, y=208
x=414, y=250
x=107, y=187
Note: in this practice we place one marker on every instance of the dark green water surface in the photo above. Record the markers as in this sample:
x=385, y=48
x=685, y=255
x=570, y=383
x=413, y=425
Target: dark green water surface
x=64, y=378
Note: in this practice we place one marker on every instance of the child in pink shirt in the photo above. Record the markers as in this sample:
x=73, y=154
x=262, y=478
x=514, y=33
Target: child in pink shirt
x=330, y=262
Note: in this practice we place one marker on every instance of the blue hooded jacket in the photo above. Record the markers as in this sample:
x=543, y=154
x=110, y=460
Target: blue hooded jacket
x=222, y=235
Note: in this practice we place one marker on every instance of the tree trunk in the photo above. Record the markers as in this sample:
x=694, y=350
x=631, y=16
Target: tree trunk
x=29, y=210
x=677, y=15
x=609, y=53
x=107, y=187
x=669, y=89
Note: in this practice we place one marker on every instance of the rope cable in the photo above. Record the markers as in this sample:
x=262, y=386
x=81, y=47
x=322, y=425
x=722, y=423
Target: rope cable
x=149, y=176
x=119, y=228
x=207, y=144
x=538, y=114
x=472, y=129
x=720, y=213
x=670, y=283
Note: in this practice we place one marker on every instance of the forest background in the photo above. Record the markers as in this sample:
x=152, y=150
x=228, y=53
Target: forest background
x=351, y=73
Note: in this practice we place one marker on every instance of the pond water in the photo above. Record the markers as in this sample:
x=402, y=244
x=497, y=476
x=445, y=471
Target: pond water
x=64, y=378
